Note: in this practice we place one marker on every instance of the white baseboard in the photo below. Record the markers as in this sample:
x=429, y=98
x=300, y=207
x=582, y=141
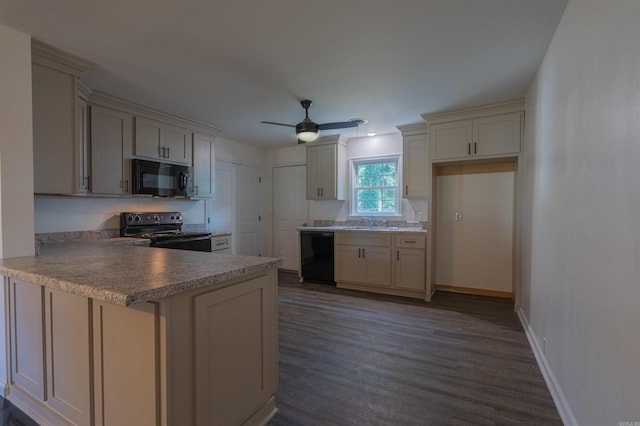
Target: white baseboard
x=554, y=388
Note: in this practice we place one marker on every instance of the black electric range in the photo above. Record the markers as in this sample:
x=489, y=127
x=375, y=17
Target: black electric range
x=164, y=229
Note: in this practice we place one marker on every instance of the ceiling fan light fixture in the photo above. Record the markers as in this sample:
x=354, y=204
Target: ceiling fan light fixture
x=307, y=136
x=307, y=130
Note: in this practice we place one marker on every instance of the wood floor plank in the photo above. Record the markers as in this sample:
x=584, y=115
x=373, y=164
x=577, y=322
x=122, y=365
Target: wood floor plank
x=348, y=358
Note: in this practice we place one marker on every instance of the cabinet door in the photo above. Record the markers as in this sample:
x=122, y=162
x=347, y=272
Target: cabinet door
x=204, y=173
x=176, y=144
x=82, y=175
x=67, y=319
x=27, y=338
x=451, y=140
x=313, y=164
x=326, y=176
x=377, y=270
x=415, y=166
x=348, y=263
x=322, y=172
x=126, y=364
x=409, y=269
x=54, y=130
x=497, y=135
x=236, y=365
x=110, y=151
x=148, y=139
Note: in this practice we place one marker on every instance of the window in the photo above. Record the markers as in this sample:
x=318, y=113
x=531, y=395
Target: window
x=375, y=187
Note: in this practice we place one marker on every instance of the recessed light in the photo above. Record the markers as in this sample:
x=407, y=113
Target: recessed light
x=371, y=134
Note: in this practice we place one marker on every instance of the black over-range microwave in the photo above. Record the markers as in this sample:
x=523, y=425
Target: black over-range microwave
x=160, y=179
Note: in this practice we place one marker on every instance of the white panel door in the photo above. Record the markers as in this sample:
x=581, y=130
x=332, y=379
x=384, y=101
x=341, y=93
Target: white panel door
x=290, y=210
x=249, y=196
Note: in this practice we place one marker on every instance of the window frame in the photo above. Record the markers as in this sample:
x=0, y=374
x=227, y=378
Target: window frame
x=353, y=164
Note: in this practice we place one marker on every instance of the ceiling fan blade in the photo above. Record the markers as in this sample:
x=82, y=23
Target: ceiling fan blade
x=279, y=124
x=340, y=125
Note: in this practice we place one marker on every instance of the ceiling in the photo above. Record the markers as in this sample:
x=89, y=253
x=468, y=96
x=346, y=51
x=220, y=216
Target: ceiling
x=234, y=63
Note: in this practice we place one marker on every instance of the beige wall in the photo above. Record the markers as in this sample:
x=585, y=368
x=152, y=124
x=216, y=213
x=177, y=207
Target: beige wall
x=581, y=265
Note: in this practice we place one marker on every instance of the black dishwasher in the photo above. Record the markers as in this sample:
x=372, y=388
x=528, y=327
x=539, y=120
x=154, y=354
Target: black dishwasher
x=316, y=256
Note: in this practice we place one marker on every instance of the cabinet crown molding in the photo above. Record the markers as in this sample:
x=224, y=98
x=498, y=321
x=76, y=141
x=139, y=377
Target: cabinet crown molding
x=100, y=98
x=329, y=139
x=52, y=57
x=413, y=129
x=504, y=107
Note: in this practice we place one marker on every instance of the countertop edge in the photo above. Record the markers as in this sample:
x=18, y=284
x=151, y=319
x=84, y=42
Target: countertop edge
x=144, y=295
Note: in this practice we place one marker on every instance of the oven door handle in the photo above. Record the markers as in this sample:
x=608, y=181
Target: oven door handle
x=181, y=240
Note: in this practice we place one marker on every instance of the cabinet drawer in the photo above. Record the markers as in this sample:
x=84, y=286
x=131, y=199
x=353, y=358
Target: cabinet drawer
x=362, y=239
x=410, y=241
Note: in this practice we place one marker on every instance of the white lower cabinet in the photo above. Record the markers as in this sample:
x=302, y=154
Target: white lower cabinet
x=235, y=378
x=27, y=336
x=50, y=359
x=126, y=364
x=409, y=264
x=205, y=357
x=362, y=257
x=381, y=262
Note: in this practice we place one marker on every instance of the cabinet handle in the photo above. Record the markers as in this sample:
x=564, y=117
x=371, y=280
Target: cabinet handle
x=406, y=190
x=409, y=241
x=475, y=147
x=322, y=192
x=363, y=256
x=397, y=254
x=318, y=191
x=196, y=188
x=168, y=152
x=359, y=253
x=469, y=148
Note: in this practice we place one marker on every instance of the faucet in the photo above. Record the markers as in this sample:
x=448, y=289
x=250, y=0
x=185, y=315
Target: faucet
x=367, y=220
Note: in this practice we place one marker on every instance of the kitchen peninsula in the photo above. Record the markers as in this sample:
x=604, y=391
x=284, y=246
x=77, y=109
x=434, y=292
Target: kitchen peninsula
x=107, y=334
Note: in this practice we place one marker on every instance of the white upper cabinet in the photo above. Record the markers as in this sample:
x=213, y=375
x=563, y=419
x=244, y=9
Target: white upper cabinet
x=204, y=172
x=326, y=168
x=111, y=139
x=416, y=167
x=162, y=141
x=58, y=152
x=481, y=132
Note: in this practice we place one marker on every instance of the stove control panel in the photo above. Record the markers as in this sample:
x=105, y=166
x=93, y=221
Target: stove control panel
x=150, y=218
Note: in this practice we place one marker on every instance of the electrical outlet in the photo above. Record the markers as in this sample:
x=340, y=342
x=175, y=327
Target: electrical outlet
x=458, y=216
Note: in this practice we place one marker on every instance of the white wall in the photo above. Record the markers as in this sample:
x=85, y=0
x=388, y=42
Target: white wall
x=16, y=145
x=16, y=164
x=581, y=227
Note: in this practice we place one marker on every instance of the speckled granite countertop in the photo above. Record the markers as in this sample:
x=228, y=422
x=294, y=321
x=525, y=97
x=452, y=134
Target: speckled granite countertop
x=122, y=273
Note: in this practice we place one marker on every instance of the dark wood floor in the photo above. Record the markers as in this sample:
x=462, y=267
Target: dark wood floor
x=348, y=358
x=351, y=359
x=10, y=415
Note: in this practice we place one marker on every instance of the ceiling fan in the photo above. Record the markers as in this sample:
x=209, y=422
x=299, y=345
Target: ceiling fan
x=307, y=130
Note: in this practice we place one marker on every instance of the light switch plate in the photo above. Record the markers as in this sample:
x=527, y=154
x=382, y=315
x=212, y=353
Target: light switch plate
x=458, y=216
